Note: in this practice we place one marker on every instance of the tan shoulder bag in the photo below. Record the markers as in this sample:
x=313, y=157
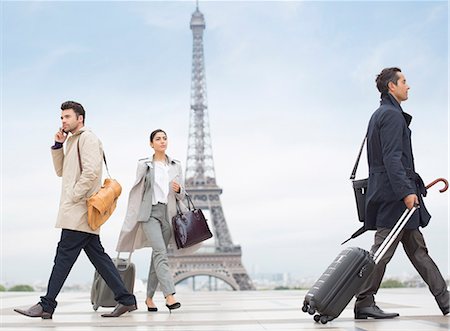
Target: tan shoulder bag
x=102, y=204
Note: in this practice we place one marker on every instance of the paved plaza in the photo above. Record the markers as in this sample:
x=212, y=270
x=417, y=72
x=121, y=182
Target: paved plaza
x=250, y=310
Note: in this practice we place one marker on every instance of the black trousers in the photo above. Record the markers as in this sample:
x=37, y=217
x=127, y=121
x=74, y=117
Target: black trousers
x=417, y=252
x=67, y=252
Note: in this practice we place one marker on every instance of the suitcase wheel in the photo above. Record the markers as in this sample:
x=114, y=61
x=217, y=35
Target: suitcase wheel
x=311, y=310
x=305, y=307
x=95, y=307
x=322, y=318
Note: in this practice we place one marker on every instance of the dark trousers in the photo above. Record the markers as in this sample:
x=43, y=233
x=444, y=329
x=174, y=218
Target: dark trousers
x=67, y=252
x=417, y=252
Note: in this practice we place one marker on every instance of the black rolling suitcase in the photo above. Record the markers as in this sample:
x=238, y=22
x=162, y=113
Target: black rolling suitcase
x=332, y=292
x=101, y=294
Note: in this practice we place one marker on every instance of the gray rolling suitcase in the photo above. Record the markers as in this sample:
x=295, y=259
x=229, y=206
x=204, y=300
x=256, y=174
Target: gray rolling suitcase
x=332, y=292
x=101, y=294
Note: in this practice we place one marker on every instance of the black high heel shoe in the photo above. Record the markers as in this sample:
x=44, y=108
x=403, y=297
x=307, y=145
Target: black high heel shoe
x=175, y=305
x=151, y=308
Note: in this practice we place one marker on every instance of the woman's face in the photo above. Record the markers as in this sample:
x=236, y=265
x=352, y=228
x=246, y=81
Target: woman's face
x=159, y=143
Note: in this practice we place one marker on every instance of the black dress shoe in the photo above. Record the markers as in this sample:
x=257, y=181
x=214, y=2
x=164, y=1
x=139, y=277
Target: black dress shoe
x=35, y=311
x=372, y=311
x=119, y=310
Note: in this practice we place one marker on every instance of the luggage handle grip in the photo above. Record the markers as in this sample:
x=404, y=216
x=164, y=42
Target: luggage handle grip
x=128, y=260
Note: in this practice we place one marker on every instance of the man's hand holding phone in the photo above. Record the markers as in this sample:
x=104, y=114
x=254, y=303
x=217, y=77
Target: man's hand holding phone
x=60, y=136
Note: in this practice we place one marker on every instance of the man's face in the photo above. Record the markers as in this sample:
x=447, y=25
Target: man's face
x=399, y=91
x=70, y=121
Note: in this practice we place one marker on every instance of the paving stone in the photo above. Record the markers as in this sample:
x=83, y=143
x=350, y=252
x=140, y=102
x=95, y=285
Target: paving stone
x=230, y=311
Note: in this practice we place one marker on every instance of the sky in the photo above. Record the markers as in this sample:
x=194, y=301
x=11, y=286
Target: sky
x=290, y=92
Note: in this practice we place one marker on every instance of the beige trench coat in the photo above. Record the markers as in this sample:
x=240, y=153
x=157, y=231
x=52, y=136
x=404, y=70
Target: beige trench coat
x=78, y=186
x=132, y=236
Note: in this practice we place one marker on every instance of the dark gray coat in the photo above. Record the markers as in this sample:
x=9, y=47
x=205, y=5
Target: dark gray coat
x=392, y=174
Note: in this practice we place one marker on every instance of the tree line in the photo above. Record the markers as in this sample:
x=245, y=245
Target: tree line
x=17, y=288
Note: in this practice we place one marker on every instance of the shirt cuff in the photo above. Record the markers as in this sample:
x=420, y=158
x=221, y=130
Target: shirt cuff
x=57, y=145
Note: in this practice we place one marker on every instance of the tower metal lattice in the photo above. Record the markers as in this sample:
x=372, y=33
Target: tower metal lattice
x=223, y=260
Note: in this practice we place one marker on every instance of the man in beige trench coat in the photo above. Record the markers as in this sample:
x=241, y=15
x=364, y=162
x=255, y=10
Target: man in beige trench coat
x=80, y=167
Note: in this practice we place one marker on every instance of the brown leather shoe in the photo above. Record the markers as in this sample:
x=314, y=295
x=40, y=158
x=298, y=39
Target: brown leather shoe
x=35, y=311
x=119, y=310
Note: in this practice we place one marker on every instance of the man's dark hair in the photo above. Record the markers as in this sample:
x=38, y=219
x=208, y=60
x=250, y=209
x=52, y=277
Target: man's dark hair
x=77, y=108
x=153, y=134
x=387, y=75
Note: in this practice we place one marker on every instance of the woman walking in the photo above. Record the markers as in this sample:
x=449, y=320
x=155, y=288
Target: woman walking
x=151, y=206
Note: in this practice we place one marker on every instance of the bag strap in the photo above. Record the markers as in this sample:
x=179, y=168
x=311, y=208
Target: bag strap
x=78, y=150
x=79, y=158
x=190, y=204
x=355, y=167
x=178, y=206
x=106, y=165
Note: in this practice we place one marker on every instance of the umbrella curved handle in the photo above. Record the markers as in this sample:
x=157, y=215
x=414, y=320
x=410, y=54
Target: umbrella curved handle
x=442, y=190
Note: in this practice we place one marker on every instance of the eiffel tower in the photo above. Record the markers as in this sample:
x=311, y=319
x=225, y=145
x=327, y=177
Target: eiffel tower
x=223, y=260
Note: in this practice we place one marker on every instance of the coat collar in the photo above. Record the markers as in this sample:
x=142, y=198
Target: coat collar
x=149, y=160
x=388, y=99
x=83, y=129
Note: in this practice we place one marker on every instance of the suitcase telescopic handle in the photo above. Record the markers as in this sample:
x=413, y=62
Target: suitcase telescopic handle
x=393, y=234
x=443, y=180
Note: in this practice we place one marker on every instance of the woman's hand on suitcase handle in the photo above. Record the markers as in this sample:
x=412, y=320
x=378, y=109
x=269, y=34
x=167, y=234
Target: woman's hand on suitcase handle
x=411, y=200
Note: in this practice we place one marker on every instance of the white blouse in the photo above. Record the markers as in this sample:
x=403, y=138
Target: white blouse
x=161, y=187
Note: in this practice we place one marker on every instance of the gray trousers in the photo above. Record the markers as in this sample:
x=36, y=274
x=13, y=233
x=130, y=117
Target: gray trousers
x=417, y=252
x=159, y=231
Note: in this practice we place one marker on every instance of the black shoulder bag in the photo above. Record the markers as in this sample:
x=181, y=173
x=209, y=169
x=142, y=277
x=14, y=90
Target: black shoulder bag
x=360, y=189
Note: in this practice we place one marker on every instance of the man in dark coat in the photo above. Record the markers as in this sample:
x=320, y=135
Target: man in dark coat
x=393, y=186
